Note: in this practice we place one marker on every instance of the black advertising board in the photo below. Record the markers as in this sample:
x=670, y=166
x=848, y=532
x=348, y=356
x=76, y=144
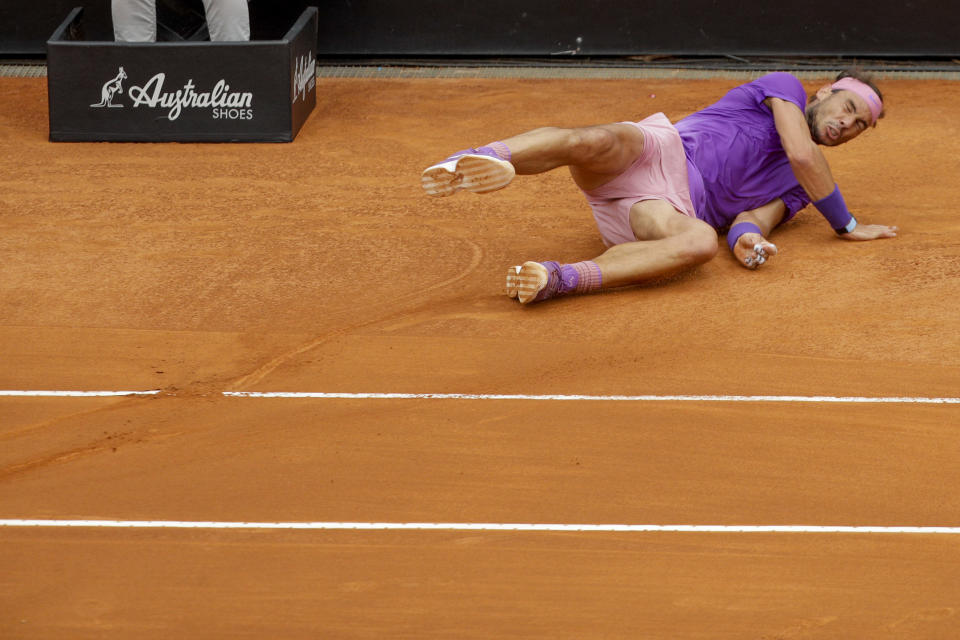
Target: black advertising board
x=257, y=91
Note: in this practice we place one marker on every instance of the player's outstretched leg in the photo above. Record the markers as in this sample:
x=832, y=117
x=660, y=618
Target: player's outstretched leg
x=479, y=170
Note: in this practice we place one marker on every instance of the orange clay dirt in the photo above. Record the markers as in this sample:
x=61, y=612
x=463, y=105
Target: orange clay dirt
x=319, y=266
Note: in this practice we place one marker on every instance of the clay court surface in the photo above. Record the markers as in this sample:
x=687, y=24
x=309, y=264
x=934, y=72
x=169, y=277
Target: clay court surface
x=319, y=267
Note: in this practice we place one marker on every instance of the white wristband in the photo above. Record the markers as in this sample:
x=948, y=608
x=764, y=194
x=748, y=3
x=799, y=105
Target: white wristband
x=850, y=226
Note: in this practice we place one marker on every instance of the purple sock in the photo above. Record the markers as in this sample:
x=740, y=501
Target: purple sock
x=584, y=277
x=563, y=279
x=494, y=149
x=498, y=148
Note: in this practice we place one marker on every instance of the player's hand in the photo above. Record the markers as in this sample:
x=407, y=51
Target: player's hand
x=753, y=250
x=871, y=232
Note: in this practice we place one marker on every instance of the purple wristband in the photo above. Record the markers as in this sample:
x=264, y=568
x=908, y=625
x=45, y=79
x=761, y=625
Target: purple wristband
x=738, y=230
x=834, y=209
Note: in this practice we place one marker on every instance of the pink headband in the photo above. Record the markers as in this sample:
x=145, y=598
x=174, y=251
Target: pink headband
x=864, y=91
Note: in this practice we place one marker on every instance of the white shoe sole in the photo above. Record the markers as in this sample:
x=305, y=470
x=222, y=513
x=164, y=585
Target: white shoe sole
x=526, y=281
x=476, y=173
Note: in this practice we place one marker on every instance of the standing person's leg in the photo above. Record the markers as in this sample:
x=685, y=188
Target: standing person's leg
x=227, y=20
x=668, y=242
x=595, y=156
x=134, y=20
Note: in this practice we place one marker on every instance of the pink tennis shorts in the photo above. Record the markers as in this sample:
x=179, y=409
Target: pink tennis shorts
x=660, y=173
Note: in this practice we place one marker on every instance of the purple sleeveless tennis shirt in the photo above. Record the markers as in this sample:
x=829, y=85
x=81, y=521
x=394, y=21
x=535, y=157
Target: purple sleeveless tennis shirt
x=735, y=161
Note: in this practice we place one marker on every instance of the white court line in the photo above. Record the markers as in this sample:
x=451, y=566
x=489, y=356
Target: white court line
x=462, y=526
x=483, y=396
x=620, y=398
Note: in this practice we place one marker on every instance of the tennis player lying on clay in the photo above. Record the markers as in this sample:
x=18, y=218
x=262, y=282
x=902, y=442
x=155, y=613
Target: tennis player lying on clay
x=660, y=193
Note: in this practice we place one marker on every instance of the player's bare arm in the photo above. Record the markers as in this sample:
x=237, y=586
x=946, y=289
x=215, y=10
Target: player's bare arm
x=810, y=165
x=806, y=159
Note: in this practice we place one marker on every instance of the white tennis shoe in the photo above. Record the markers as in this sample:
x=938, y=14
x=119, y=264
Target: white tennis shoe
x=525, y=281
x=474, y=172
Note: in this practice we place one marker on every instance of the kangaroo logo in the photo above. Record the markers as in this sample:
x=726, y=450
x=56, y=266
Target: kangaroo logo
x=110, y=89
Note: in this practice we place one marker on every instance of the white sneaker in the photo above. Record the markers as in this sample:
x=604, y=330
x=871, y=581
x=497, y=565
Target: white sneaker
x=470, y=171
x=526, y=281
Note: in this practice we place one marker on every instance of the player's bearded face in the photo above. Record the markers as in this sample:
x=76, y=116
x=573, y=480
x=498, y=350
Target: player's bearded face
x=832, y=121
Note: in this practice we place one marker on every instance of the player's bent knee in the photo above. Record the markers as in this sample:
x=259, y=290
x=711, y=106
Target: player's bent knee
x=591, y=144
